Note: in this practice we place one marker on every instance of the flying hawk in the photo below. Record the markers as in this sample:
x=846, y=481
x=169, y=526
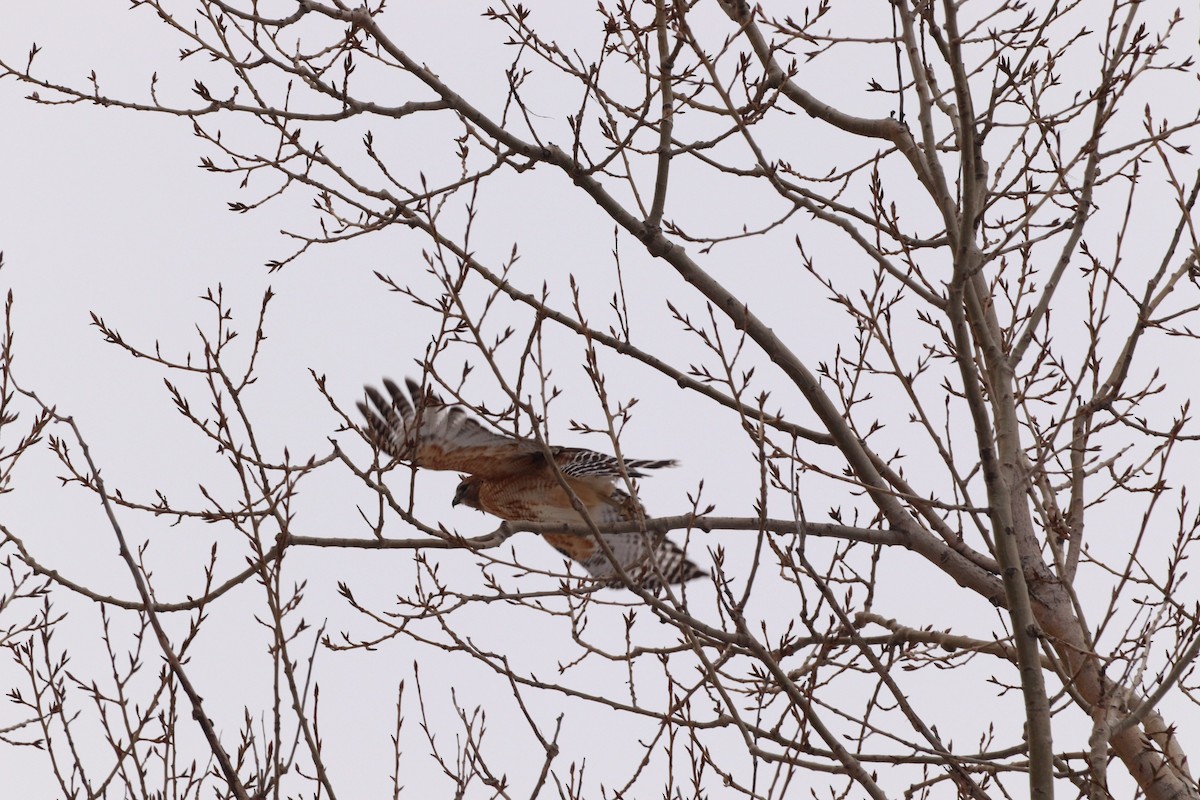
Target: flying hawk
x=512, y=479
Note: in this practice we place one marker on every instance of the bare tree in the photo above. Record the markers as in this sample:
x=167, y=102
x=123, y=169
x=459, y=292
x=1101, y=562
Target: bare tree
x=918, y=255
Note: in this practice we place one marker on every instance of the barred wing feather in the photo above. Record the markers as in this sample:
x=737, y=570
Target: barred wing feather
x=648, y=559
x=428, y=433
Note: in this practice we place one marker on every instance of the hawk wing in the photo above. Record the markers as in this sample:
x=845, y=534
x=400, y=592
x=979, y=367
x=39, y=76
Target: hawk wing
x=428, y=433
x=648, y=559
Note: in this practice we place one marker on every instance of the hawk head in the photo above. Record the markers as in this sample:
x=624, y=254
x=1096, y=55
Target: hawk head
x=467, y=492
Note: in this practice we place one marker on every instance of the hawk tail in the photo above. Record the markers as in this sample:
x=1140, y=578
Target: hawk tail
x=635, y=465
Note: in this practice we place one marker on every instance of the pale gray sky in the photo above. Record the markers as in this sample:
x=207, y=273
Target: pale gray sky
x=105, y=211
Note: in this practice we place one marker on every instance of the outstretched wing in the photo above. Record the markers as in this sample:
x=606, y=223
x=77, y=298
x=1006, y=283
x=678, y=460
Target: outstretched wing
x=428, y=433
x=648, y=559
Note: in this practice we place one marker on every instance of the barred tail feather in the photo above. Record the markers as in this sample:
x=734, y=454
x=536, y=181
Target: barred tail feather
x=636, y=464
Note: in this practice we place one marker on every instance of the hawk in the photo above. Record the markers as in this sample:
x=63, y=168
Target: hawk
x=512, y=479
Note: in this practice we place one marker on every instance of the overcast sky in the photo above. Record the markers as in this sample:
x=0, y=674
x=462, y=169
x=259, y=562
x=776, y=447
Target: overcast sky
x=105, y=211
